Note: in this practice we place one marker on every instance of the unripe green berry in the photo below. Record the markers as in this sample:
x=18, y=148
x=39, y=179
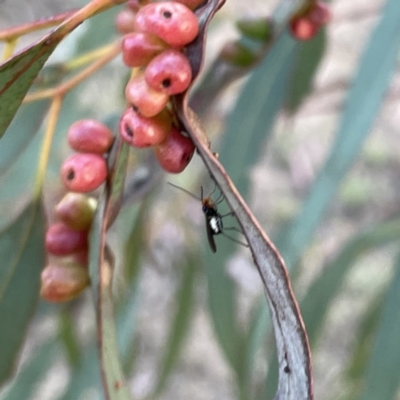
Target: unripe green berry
x=76, y=210
x=237, y=54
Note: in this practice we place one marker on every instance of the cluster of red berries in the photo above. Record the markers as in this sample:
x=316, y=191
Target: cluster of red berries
x=305, y=26
x=155, y=36
x=66, y=276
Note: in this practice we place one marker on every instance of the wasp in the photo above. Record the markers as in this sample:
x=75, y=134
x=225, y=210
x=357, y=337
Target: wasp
x=214, y=224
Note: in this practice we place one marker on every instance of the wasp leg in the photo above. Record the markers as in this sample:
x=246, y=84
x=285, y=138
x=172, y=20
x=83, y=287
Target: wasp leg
x=233, y=228
x=235, y=240
x=231, y=213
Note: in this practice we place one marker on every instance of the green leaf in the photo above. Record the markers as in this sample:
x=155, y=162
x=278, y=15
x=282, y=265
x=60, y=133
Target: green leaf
x=33, y=372
x=100, y=269
x=17, y=183
x=250, y=122
x=383, y=373
x=20, y=133
x=370, y=83
x=323, y=291
x=69, y=338
x=17, y=76
x=366, y=335
x=23, y=258
x=180, y=324
x=100, y=29
x=307, y=62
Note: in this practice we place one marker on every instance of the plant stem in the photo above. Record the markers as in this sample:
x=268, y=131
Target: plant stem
x=18, y=31
x=61, y=90
x=10, y=47
x=54, y=112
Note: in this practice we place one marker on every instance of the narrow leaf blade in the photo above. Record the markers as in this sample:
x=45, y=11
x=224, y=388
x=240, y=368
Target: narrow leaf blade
x=23, y=258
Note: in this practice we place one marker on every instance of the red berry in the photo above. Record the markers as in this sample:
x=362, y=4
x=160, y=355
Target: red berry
x=139, y=131
x=140, y=48
x=169, y=72
x=83, y=172
x=306, y=25
x=175, y=153
x=61, y=240
x=124, y=21
x=90, y=136
x=63, y=282
x=76, y=210
x=143, y=98
x=173, y=22
x=303, y=29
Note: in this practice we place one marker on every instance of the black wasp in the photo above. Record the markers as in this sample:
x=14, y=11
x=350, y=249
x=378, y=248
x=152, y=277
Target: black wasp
x=214, y=223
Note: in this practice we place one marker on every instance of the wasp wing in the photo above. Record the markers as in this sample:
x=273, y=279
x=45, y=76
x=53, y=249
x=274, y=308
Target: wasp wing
x=210, y=236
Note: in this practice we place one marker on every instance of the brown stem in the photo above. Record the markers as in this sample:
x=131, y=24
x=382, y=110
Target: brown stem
x=17, y=31
x=65, y=87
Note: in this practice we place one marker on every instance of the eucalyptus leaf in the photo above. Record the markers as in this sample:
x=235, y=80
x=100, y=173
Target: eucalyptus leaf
x=23, y=258
x=383, y=375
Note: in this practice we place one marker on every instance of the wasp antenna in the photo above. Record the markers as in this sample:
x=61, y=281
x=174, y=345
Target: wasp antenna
x=186, y=191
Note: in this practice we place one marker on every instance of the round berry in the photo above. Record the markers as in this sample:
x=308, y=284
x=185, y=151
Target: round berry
x=175, y=153
x=140, y=48
x=139, y=131
x=303, y=29
x=76, y=210
x=124, y=21
x=63, y=282
x=143, y=98
x=61, y=240
x=90, y=136
x=172, y=22
x=169, y=72
x=83, y=172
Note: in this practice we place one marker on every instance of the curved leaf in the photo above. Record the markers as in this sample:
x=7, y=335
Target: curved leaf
x=324, y=289
x=101, y=275
x=18, y=73
x=17, y=76
x=307, y=62
x=383, y=373
x=32, y=373
x=21, y=131
x=180, y=324
x=295, y=379
x=23, y=258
